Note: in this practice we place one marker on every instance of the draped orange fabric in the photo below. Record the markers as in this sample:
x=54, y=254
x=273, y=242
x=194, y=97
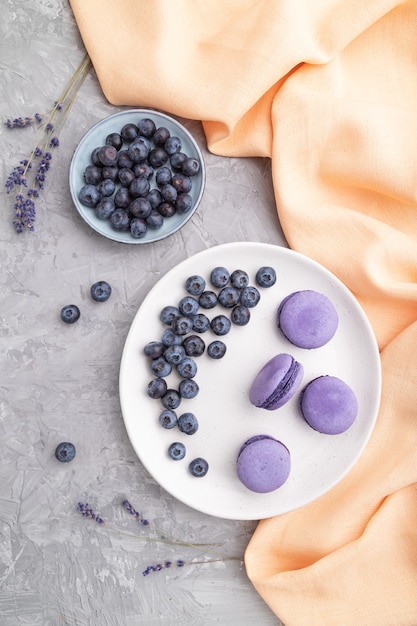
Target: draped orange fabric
x=327, y=90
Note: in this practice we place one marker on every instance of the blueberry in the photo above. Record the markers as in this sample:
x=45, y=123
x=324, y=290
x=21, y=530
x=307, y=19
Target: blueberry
x=129, y=132
x=171, y=399
x=94, y=156
x=239, y=279
x=163, y=176
x=195, y=285
x=198, y=467
x=122, y=198
x=183, y=203
x=120, y=220
x=190, y=166
x=110, y=171
x=220, y=325
x=138, y=151
x=228, y=297
x=106, y=187
x=143, y=170
x=168, y=419
x=176, y=451
x=146, y=127
x=169, y=193
x=174, y=354
x=188, y=423
x=140, y=207
x=168, y=314
x=104, y=208
x=89, y=196
x=155, y=220
x=160, y=367
x=187, y=368
x=108, y=155
x=173, y=144
x=93, y=175
x=166, y=209
x=220, y=277
x=124, y=160
x=115, y=140
x=157, y=388
x=100, y=291
x=169, y=338
x=70, y=313
x=188, y=306
x=176, y=161
x=240, y=315
x=216, y=349
x=188, y=388
x=65, y=452
x=181, y=182
x=126, y=176
x=160, y=136
x=157, y=157
x=249, y=296
x=182, y=325
x=193, y=345
x=154, y=198
x=138, y=228
x=266, y=276
x=201, y=323
x=154, y=349
x=208, y=300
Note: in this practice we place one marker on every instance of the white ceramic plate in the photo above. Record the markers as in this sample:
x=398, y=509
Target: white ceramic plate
x=225, y=414
x=96, y=136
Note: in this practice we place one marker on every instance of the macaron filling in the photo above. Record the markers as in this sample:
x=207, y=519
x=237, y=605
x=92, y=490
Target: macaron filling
x=276, y=383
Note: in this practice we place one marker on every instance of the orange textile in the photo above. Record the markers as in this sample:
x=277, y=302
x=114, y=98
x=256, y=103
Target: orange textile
x=327, y=90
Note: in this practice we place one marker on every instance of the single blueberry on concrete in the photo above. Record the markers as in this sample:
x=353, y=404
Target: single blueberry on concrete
x=65, y=452
x=70, y=313
x=100, y=291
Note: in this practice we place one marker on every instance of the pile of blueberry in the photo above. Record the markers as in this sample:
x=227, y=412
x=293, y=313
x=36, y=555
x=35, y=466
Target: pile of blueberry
x=181, y=342
x=138, y=178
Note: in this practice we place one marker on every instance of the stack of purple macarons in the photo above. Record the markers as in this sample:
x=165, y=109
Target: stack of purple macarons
x=309, y=320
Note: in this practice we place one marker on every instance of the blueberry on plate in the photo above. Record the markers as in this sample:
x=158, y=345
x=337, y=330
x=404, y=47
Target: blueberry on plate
x=176, y=451
x=187, y=368
x=188, y=388
x=65, y=452
x=89, y=196
x=188, y=305
x=216, y=349
x=168, y=419
x=190, y=166
x=239, y=279
x=120, y=219
x=160, y=367
x=100, y=291
x=240, y=315
x=229, y=297
x=168, y=314
x=188, y=423
x=220, y=325
x=182, y=325
x=201, y=323
x=169, y=338
x=154, y=349
x=208, y=300
x=249, y=296
x=174, y=354
x=195, y=285
x=157, y=388
x=171, y=399
x=70, y=313
x=266, y=276
x=220, y=277
x=198, y=467
x=193, y=345
x=138, y=228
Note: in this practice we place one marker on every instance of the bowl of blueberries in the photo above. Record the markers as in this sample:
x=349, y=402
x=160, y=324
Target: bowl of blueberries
x=137, y=176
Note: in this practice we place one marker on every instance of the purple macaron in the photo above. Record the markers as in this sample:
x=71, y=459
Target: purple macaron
x=263, y=464
x=329, y=405
x=276, y=382
x=308, y=319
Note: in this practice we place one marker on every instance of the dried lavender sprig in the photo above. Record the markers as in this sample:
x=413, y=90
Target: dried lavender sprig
x=136, y=514
x=179, y=563
x=25, y=209
x=86, y=511
x=22, y=122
